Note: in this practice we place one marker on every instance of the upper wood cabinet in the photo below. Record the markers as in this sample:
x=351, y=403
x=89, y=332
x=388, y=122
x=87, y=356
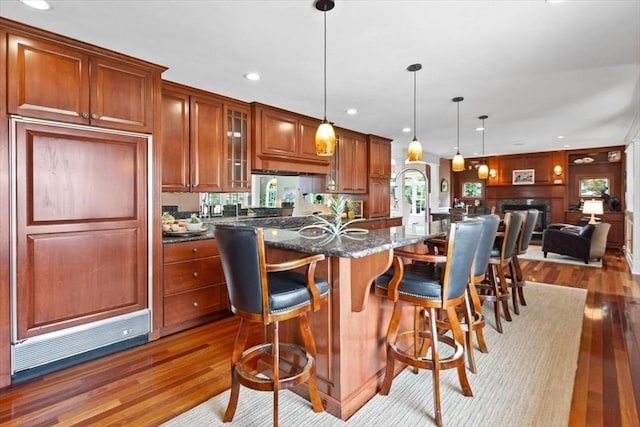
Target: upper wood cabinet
x=55, y=81
x=237, y=153
x=285, y=141
x=205, y=141
x=379, y=157
x=379, y=203
x=352, y=162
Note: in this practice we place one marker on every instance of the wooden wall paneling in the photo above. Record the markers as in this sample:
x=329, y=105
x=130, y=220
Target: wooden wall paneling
x=5, y=332
x=156, y=228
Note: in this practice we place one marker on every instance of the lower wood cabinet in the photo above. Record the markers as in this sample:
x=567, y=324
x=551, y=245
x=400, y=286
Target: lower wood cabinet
x=615, y=238
x=194, y=288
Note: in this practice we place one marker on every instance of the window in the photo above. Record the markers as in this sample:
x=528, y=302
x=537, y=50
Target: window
x=415, y=191
x=471, y=190
x=593, y=187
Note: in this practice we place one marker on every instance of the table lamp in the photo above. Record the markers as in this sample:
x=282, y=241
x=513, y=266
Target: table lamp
x=593, y=207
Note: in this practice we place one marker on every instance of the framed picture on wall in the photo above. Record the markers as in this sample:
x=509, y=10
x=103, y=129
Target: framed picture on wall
x=444, y=186
x=614, y=156
x=524, y=176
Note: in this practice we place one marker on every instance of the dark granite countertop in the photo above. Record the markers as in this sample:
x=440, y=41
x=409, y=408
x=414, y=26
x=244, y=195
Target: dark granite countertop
x=281, y=232
x=346, y=246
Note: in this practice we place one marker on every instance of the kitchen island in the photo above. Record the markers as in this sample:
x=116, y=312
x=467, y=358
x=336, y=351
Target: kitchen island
x=350, y=329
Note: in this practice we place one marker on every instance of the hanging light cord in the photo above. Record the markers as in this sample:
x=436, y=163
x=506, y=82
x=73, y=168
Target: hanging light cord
x=482, y=137
x=414, y=106
x=458, y=140
x=324, y=14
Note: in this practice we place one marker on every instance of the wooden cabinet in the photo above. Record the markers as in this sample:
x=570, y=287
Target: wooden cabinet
x=285, y=141
x=379, y=177
x=237, y=153
x=379, y=197
x=352, y=160
x=81, y=229
x=615, y=238
x=56, y=81
x=194, y=289
x=379, y=157
x=205, y=141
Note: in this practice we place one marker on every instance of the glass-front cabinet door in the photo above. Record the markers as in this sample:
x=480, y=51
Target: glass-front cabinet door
x=237, y=147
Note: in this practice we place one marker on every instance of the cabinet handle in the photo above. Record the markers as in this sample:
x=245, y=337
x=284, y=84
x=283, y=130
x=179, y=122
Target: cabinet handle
x=94, y=116
x=195, y=303
x=195, y=274
x=194, y=250
x=85, y=115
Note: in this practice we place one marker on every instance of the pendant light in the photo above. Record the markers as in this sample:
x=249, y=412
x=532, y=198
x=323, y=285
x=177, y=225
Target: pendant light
x=457, y=164
x=483, y=169
x=414, y=152
x=325, y=135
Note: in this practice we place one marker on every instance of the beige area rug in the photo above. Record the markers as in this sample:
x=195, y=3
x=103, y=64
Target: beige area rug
x=526, y=379
x=534, y=253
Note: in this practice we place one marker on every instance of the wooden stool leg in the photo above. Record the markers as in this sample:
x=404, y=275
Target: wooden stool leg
x=468, y=341
x=238, y=348
x=521, y=281
x=514, y=285
x=496, y=302
x=392, y=334
x=504, y=290
x=435, y=355
x=276, y=371
x=476, y=305
x=310, y=347
x=459, y=338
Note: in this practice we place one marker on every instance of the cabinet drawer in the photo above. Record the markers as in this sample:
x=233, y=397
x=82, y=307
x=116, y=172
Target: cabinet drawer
x=187, y=275
x=189, y=250
x=190, y=305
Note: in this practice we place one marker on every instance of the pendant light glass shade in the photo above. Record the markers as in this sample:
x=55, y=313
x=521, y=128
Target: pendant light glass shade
x=325, y=135
x=457, y=164
x=483, y=169
x=414, y=152
x=325, y=139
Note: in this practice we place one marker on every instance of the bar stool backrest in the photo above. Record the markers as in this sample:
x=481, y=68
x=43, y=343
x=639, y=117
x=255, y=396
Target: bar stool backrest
x=490, y=225
x=461, y=250
x=527, y=230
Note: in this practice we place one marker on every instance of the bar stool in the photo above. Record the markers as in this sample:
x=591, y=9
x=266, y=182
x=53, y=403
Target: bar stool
x=497, y=290
x=518, y=282
x=490, y=224
x=267, y=294
x=429, y=291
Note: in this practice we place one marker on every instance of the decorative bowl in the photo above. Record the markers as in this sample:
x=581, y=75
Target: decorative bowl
x=194, y=226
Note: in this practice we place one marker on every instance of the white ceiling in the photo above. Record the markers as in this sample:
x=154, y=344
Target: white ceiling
x=537, y=69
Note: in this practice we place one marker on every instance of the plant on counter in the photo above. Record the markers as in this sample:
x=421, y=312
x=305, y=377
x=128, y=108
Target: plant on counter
x=194, y=223
x=335, y=227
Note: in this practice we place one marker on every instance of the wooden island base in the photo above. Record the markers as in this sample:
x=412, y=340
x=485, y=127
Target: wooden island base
x=349, y=330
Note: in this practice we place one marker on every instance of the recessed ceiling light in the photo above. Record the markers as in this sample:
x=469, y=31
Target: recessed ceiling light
x=560, y=137
x=566, y=146
x=37, y=4
x=352, y=111
x=406, y=130
x=479, y=128
x=476, y=153
x=252, y=76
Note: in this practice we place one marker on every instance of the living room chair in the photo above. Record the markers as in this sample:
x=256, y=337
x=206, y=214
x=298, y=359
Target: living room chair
x=497, y=288
x=430, y=288
x=586, y=243
x=267, y=294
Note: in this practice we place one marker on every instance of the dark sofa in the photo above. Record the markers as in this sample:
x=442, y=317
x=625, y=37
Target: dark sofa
x=585, y=243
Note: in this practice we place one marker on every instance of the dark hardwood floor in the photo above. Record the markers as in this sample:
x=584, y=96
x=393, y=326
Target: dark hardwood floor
x=150, y=384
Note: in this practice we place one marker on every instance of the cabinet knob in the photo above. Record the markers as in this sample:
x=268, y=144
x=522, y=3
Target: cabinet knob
x=195, y=274
x=94, y=116
x=195, y=303
x=194, y=250
x=85, y=115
